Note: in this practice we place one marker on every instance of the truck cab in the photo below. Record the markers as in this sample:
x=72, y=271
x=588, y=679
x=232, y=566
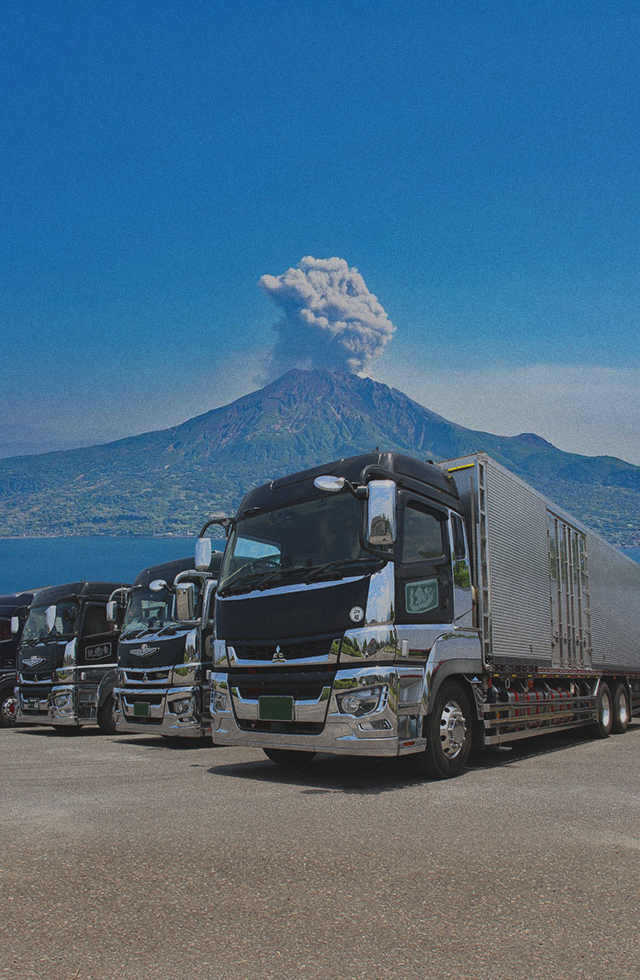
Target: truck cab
x=14, y=609
x=341, y=590
x=164, y=653
x=67, y=658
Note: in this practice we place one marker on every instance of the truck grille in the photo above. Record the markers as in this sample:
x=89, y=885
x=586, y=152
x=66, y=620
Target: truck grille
x=137, y=676
x=41, y=678
x=302, y=687
x=299, y=649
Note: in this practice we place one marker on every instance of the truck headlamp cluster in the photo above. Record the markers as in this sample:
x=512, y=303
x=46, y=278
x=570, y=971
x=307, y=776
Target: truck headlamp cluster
x=362, y=702
x=219, y=701
x=62, y=701
x=185, y=706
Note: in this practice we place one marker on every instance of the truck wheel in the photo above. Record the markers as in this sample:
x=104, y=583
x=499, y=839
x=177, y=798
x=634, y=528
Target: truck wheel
x=621, y=712
x=604, y=716
x=106, y=716
x=289, y=758
x=7, y=716
x=448, y=732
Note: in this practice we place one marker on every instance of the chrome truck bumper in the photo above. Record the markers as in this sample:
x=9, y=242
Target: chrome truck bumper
x=374, y=711
x=58, y=706
x=174, y=711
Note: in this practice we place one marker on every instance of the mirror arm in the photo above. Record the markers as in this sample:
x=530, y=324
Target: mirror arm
x=224, y=522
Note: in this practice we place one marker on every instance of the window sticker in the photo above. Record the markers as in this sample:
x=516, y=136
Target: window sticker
x=420, y=597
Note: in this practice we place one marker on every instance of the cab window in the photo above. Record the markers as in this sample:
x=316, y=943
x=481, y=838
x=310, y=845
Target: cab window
x=423, y=574
x=423, y=539
x=95, y=621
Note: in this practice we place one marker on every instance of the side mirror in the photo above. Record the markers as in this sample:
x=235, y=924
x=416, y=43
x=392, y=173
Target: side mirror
x=158, y=585
x=51, y=618
x=15, y=625
x=203, y=554
x=185, y=601
x=381, y=514
x=112, y=611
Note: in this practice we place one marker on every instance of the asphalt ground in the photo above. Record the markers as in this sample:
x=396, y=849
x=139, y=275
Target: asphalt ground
x=142, y=859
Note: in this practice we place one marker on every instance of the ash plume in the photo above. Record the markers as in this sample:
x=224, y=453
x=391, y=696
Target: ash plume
x=330, y=319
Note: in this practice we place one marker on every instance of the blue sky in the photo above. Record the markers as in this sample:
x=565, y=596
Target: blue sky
x=476, y=162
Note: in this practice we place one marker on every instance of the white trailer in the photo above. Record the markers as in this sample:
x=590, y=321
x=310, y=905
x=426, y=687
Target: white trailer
x=558, y=609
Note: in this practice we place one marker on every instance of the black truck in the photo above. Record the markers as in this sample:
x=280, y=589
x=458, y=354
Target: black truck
x=164, y=653
x=13, y=615
x=67, y=664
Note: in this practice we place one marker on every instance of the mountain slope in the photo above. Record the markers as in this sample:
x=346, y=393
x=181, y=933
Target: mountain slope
x=170, y=480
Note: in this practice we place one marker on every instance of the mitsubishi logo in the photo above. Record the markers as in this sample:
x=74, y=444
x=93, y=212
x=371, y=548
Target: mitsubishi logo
x=278, y=657
x=144, y=651
x=34, y=661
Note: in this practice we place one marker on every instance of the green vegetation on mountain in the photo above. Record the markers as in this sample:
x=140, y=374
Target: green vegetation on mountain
x=168, y=482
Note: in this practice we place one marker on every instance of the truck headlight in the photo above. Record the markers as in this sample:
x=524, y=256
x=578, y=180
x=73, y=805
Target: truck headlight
x=361, y=702
x=218, y=701
x=184, y=706
x=63, y=700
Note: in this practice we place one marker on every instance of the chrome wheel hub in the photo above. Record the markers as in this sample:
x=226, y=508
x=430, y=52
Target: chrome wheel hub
x=605, y=713
x=453, y=729
x=624, y=709
x=8, y=709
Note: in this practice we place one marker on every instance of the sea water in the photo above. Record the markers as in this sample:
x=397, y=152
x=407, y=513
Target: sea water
x=32, y=563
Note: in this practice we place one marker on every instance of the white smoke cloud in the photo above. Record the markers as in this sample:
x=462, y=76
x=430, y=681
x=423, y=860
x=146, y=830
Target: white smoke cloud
x=330, y=319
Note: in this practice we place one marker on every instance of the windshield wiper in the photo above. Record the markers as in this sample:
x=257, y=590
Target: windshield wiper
x=136, y=632
x=339, y=564
x=247, y=580
x=170, y=627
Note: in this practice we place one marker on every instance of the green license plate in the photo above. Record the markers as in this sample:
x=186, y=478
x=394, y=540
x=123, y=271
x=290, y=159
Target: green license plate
x=32, y=705
x=272, y=708
x=141, y=709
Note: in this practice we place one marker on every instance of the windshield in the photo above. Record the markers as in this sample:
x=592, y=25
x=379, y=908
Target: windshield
x=302, y=542
x=35, y=630
x=152, y=611
x=147, y=610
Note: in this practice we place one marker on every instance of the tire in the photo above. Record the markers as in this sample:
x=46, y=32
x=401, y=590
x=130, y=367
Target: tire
x=448, y=729
x=106, y=717
x=604, y=722
x=289, y=758
x=621, y=708
x=7, y=718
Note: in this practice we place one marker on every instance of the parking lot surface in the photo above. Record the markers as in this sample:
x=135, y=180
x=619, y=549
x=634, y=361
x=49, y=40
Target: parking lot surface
x=134, y=857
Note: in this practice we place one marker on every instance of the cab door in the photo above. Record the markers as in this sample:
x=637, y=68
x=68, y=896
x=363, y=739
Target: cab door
x=97, y=642
x=424, y=591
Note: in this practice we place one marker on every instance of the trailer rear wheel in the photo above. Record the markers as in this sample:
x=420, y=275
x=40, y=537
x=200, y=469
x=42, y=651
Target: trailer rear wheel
x=621, y=712
x=448, y=732
x=289, y=758
x=604, y=720
x=106, y=716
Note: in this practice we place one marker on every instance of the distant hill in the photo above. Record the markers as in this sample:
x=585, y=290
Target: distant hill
x=169, y=481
